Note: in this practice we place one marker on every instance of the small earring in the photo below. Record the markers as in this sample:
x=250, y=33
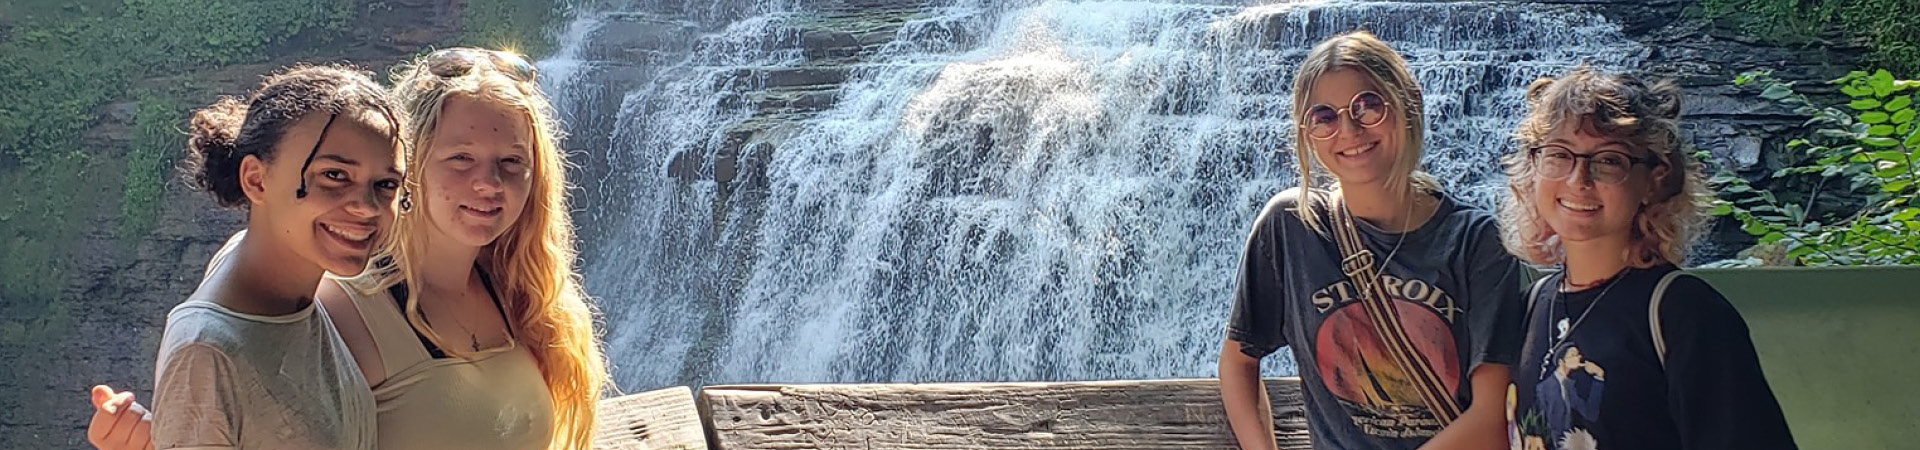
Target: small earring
x=406, y=202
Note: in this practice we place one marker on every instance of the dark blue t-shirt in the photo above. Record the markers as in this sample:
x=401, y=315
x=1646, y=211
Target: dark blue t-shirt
x=1456, y=295
x=1590, y=378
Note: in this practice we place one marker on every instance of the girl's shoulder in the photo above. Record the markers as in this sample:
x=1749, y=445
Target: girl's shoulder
x=1465, y=215
x=1286, y=201
x=1688, y=297
x=1284, y=207
x=1473, y=230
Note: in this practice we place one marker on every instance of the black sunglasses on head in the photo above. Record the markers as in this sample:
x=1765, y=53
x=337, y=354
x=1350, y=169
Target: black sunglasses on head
x=460, y=61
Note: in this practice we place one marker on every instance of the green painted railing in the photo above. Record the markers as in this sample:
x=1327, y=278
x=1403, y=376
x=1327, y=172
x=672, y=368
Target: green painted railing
x=1840, y=349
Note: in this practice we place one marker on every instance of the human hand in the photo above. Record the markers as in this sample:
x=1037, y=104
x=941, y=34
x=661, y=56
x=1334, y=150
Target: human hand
x=119, y=422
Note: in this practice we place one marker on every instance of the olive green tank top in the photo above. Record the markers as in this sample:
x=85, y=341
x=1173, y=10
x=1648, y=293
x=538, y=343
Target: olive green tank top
x=496, y=399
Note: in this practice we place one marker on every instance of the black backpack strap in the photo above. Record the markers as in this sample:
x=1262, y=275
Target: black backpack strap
x=1533, y=295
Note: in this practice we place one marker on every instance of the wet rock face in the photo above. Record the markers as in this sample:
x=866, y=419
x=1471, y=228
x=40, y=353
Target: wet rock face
x=1731, y=122
x=120, y=290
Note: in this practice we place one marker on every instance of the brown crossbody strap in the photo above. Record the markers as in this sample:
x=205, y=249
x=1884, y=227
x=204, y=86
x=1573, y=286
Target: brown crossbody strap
x=1357, y=262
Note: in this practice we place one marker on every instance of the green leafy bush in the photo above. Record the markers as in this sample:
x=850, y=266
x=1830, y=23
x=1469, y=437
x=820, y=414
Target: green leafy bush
x=1889, y=26
x=522, y=26
x=1846, y=197
x=197, y=33
x=64, y=63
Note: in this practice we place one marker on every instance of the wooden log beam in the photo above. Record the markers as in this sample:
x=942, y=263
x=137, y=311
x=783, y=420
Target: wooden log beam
x=1085, y=415
x=665, y=419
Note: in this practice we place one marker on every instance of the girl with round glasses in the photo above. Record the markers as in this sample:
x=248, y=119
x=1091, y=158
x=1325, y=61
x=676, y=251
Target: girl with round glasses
x=1399, y=304
x=1622, y=349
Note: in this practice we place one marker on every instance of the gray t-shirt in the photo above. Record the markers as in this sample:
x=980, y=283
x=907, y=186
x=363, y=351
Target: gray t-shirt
x=1457, y=297
x=227, y=379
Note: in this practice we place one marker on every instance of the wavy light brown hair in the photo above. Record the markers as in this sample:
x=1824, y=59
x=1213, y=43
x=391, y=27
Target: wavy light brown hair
x=1635, y=113
x=1372, y=58
x=533, y=262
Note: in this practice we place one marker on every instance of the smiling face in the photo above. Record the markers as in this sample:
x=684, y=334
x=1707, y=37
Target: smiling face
x=1580, y=209
x=478, y=170
x=350, y=188
x=1357, y=155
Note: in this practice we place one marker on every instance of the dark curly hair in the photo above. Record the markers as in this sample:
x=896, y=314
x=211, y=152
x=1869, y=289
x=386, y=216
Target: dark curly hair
x=224, y=133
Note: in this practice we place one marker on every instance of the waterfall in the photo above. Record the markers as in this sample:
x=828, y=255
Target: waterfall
x=1047, y=190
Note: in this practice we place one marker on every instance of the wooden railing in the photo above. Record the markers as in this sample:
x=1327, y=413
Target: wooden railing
x=1159, y=414
x=1837, y=346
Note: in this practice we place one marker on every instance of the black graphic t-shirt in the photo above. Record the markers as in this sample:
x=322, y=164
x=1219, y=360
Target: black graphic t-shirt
x=1455, y=294
x=1603, y=385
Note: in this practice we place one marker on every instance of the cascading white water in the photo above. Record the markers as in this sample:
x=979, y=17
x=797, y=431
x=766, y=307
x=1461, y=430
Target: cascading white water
x=1046, y=191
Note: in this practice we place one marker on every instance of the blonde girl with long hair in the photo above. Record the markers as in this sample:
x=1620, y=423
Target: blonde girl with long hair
x=1397, y=300
x=472, y=327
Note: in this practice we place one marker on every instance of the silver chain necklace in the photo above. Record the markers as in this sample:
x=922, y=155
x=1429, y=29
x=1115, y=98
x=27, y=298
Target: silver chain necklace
x=1565, y=330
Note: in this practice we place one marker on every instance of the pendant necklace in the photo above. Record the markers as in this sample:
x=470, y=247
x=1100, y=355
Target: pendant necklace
x=1562, y=328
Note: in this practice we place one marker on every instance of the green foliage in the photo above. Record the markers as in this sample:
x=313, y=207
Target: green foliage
x=201, y=32
x=158, y=132
x=1889, y=26
x=521, y=26
x=53, y=86
x=1846, y=196
x=66, y=61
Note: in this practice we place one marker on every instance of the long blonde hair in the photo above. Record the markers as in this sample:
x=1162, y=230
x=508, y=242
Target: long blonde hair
x=533, y=262
x=1374, y=59
x=1633, y=112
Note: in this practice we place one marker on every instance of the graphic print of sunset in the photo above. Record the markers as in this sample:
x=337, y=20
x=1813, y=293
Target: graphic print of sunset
x=1356, y=367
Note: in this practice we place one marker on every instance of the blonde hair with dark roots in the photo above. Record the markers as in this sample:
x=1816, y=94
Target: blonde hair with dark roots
x=532, y=263
x=1367, y=55
x=1625, y=109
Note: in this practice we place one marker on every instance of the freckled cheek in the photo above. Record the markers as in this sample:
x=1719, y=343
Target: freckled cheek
x=445, y=183
x=433, y=190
